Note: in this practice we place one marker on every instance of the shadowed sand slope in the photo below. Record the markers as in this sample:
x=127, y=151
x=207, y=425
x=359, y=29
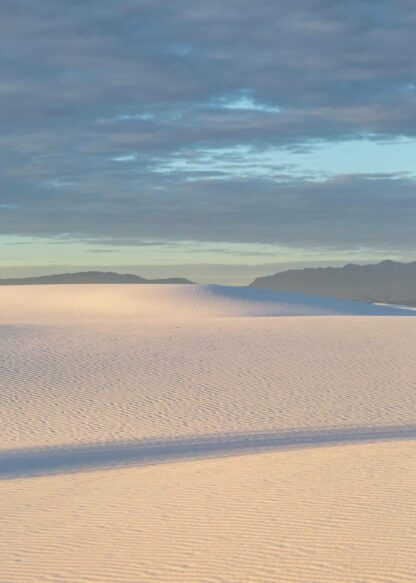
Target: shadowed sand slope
x=55, y=460
x=308, y=424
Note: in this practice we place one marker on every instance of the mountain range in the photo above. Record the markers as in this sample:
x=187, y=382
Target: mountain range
x=386, y=282
x=90, y=277
x=389, y=282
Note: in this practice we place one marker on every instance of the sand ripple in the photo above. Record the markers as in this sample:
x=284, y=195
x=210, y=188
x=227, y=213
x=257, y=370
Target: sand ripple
x=110, y=376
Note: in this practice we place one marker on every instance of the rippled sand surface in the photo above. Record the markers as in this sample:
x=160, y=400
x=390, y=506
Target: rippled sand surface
x=203, y=434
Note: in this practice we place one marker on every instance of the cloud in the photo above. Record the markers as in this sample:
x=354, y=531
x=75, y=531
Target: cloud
x=125, y=158
x=347, y=211
x=87, y=84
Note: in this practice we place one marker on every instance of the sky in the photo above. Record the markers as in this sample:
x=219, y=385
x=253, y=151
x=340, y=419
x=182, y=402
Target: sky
x=214, y=140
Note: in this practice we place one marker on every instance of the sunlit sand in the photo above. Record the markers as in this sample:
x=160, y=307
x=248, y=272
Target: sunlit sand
x=195, y=434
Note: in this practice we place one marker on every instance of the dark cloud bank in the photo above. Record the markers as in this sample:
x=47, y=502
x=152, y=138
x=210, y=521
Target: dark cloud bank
x=126, y=120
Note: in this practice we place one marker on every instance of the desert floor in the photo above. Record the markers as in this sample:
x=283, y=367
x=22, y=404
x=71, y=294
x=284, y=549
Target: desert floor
x=195, y=434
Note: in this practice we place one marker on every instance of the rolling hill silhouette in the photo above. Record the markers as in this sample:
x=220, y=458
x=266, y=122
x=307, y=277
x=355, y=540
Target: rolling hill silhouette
x=386, y=282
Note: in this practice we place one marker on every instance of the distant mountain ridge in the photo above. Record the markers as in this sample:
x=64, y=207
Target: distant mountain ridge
x=386, y=282
x=90, y=277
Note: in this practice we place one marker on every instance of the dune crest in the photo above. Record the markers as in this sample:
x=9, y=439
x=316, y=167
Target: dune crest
x=63, y=303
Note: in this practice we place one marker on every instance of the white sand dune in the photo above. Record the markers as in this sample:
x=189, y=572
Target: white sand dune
x=63, y=303
x=184, y=434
